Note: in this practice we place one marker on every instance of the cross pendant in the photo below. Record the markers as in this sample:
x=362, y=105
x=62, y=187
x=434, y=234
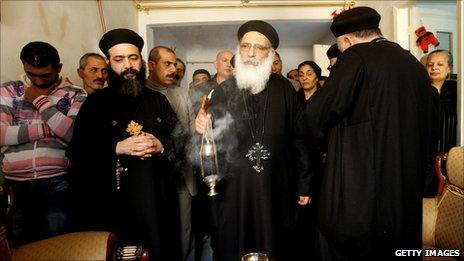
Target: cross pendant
x=257, y=153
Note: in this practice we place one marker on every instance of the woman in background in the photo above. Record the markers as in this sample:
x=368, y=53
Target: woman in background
x=308, y=74
x=439, y=67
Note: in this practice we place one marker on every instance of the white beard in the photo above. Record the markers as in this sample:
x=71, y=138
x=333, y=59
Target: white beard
x=250, y=77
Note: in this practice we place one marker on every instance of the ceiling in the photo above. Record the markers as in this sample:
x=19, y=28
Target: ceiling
x=223, y=36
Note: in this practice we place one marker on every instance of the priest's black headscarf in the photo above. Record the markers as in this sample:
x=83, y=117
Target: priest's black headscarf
x=260, y=27
x=333, y=51
x=355, y=19
x=118, y=36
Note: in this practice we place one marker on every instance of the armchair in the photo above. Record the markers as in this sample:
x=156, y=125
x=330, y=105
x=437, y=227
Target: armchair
x=443, y=216
x=88, y=245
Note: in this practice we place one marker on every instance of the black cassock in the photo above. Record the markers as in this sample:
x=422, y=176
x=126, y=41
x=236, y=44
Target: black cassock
x=255, y=212
x=145, y=209
x=448, y=116
x=377, y=111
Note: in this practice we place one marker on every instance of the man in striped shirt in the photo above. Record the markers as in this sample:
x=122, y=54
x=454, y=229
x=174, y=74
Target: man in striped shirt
x=36, y=122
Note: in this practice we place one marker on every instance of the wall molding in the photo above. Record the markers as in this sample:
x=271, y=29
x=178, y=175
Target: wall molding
x=148, y=5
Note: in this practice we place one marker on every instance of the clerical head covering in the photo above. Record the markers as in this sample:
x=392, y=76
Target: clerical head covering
x=355, y=19
x=333, y=51
x=317, y=70
x=118, y=36
x=260, y=27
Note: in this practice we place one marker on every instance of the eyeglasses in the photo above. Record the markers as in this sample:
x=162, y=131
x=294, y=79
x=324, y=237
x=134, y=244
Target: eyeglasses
x=247, y=46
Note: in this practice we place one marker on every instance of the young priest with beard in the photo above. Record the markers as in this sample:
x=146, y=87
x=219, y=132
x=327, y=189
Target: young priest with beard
x=257, y=199
x=122, y=153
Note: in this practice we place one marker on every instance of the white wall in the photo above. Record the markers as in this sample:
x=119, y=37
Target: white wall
x=72, y=27
x=119, y=14
x=386, y=11
x=292, y=57
x=198, y=57
x=435, y=18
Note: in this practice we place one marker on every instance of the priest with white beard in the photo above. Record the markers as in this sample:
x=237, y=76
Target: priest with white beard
x=263, y=157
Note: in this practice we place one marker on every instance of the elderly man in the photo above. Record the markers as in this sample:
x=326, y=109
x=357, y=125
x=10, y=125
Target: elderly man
x=224, y=71
x=162, y=67
x=376, y=112
x=36, y=123
x=223, y=66
x=122, y=152
x=262, y=155
x=93, y=72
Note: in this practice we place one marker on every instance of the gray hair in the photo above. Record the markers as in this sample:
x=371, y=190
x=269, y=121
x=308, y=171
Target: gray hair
x=219, y=54
x=448, y=54
x=367, y=33
x=83, y=60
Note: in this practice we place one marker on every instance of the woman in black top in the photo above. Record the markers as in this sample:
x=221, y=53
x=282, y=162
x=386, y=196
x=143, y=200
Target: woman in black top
x=309, y=74
x=439, y=67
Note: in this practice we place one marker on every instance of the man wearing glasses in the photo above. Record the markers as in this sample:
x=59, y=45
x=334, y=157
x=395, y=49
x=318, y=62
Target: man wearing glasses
x=262, y=159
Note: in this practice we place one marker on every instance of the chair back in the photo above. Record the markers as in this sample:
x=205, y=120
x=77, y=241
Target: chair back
x=449, y=227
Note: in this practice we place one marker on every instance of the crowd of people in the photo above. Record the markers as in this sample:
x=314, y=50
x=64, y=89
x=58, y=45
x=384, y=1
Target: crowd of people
x=312, y=167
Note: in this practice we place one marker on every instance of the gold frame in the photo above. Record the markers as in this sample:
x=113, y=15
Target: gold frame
x=149, y=5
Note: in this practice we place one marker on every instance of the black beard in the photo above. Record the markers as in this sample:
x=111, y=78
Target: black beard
x=131, y=87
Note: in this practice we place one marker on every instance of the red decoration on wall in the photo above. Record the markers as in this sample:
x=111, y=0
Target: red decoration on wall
x=345, y=7
x=425, y=38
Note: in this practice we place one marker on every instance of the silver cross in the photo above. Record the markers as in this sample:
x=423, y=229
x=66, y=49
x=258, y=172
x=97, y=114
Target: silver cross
x=257, y=153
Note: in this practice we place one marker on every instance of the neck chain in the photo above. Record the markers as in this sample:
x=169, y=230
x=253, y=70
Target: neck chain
x=257, y=152
x=252, y=119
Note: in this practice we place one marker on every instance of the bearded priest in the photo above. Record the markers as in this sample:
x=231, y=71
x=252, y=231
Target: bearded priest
x=122, y=153
x=263, y=158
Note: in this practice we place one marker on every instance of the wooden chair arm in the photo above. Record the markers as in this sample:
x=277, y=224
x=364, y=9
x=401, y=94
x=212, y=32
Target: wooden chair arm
x=440, y=171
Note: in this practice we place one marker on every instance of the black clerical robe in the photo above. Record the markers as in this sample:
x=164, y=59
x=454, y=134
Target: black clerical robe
x=448, y=116
x=145, y=209
x=377, y=111
x=255, y=211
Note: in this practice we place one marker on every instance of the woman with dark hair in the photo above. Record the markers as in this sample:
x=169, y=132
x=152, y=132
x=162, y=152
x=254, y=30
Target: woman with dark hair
x=439, y=67
x=309, y=74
